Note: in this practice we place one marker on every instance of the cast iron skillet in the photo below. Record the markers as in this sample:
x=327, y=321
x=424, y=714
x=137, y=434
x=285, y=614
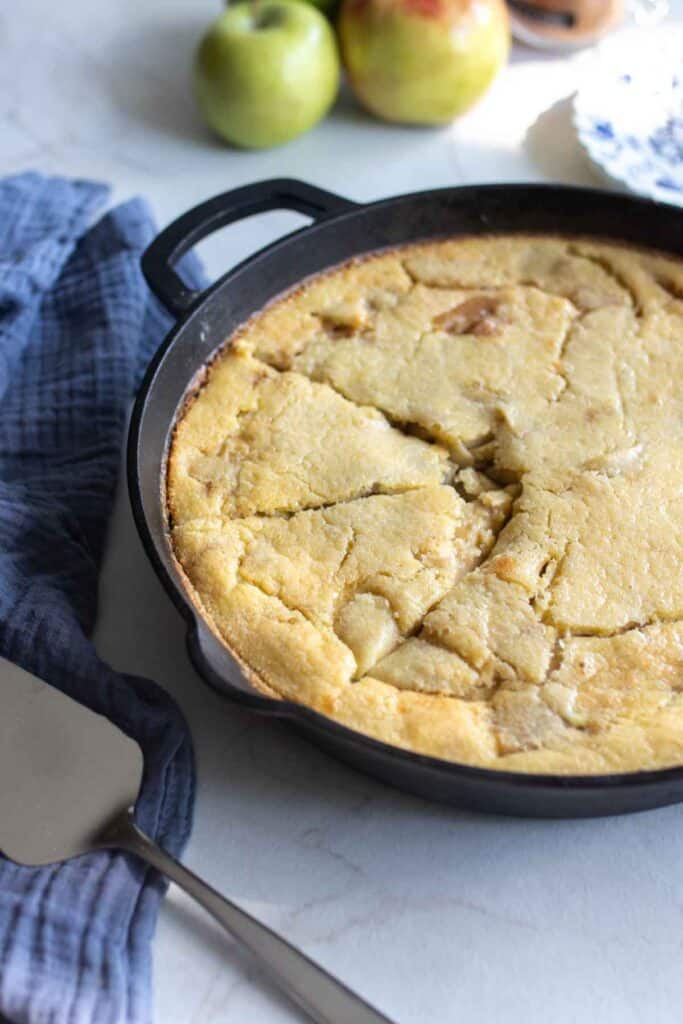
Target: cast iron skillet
x=342, y=229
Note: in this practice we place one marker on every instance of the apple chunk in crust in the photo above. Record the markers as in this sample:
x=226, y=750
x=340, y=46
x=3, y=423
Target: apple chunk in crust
x=259, y=441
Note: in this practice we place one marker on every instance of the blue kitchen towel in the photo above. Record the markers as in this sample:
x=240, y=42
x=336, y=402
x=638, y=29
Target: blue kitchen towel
x=77, y=325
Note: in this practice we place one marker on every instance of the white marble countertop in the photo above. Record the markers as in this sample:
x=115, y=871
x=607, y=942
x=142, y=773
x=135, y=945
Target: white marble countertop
x=433, y=914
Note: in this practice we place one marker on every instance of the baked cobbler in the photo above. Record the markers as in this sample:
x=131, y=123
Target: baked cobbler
x=437, y=495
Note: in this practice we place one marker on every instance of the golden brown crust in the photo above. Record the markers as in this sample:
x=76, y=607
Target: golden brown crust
x=436, y=494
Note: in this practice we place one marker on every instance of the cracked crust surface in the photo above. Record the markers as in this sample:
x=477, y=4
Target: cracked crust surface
x=437, y=494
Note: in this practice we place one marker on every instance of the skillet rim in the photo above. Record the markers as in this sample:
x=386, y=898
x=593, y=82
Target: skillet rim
x=284, y=708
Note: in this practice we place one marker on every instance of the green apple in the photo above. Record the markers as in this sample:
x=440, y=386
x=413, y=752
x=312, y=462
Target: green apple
x=266, y=71
x=422, y=61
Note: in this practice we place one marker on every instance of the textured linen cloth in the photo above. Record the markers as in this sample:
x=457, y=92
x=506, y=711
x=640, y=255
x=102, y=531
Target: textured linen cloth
x=77, y=325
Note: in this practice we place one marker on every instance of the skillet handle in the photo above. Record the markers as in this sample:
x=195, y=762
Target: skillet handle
x=182, y=234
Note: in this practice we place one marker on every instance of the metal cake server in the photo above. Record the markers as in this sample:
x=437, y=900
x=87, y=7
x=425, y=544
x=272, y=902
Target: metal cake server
x=70, y=780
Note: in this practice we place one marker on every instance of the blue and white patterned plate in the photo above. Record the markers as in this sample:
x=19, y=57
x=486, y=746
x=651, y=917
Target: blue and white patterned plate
x=629, y=115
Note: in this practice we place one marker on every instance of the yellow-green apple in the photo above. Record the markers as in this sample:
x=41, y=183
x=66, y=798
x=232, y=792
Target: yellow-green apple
x=266, y=71
x=422, y=61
